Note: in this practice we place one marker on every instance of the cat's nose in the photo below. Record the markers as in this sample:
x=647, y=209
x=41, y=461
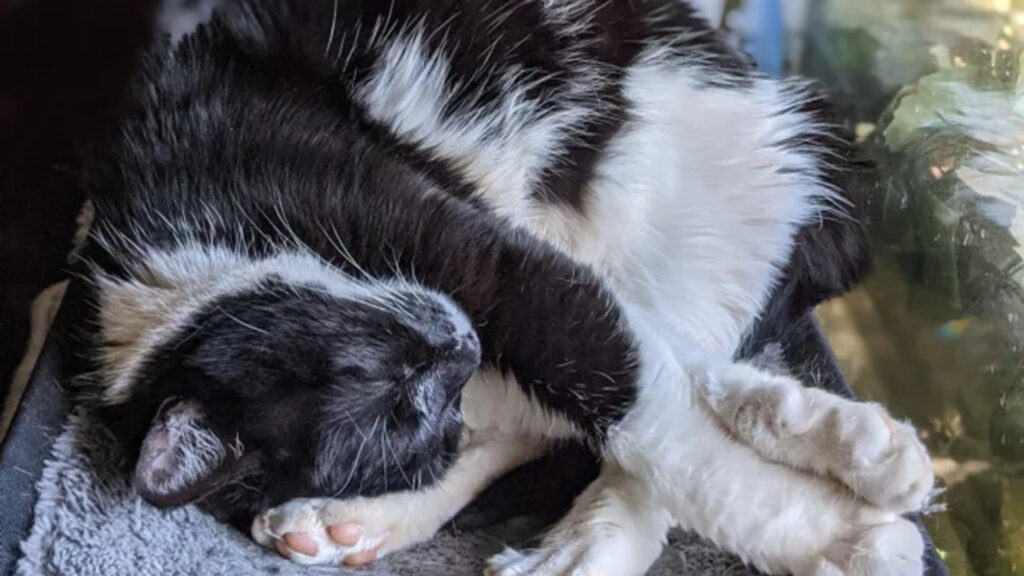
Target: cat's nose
x=459, y=360
x=466, y=349
x=430, y=392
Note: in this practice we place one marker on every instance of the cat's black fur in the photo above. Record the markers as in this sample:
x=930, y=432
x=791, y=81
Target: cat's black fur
x=245, y=136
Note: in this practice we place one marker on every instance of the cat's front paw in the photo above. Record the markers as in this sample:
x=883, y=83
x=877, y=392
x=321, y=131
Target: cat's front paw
x=318, y=531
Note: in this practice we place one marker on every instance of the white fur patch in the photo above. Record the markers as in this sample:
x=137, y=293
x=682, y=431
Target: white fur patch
x=492, y=402
x=503, y=147
x=694, y=210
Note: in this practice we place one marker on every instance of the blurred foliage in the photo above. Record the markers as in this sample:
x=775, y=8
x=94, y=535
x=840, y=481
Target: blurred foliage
x=936, y=91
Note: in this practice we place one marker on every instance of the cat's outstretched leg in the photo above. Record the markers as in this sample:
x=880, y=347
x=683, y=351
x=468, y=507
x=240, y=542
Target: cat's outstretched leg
x=358, y=530
x=878, y=458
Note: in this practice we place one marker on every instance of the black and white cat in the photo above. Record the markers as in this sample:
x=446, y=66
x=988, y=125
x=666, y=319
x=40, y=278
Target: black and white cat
x=355, y=259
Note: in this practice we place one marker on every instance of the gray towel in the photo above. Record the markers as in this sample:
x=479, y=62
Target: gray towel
x=88, y=522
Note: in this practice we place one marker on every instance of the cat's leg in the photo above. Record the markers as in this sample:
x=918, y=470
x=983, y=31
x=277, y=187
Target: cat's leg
x=784, y=521
x=779, y=518
x=776, y=517
x=616, y=527
x=877, y=457
x=358, y=530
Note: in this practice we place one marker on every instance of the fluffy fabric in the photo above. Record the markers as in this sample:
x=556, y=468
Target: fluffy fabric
x=89, y=522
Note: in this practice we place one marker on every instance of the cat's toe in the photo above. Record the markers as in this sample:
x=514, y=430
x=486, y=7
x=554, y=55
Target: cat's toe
x=544, y=562
x=888, y=465
x=511, y=562
x=301, y=543
x=592, y=550
x=892, y=549
x=346, y=534
x=297, y=530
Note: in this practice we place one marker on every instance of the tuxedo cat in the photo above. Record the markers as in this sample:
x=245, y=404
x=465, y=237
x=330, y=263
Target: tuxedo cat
x=355, y=259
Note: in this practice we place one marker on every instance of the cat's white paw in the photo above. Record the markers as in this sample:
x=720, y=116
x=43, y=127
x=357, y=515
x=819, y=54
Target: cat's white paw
x=511, y=562
x=318, y=531
x=883, y=461
x=573, y=561
x=604, y=535
x=892, y=549
x=879, y=459
x=598, y=557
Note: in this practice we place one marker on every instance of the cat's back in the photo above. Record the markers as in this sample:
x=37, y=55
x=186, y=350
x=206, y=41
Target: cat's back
x=515, y=99
x=519, y=99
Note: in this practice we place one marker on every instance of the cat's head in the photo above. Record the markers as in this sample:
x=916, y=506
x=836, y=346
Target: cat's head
x=284, y=383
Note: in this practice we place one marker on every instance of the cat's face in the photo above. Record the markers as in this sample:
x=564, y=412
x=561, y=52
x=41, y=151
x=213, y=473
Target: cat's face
x=283, y=391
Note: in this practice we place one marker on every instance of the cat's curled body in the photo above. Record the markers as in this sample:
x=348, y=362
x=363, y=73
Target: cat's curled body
x=321, y=218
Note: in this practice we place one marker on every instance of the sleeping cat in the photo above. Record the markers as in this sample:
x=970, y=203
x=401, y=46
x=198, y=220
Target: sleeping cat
x=355, y=259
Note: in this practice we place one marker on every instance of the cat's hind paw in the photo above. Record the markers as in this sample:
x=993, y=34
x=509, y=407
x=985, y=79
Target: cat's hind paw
x=886, y=464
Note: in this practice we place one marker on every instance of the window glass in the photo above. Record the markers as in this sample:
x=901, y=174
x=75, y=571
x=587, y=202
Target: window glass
x=935, y=91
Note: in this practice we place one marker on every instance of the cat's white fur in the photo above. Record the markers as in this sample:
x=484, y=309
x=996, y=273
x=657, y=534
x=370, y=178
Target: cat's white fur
x=691, y=214
x=502, y=149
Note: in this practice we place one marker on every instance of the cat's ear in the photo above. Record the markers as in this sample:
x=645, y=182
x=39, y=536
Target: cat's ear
x=182, y=458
